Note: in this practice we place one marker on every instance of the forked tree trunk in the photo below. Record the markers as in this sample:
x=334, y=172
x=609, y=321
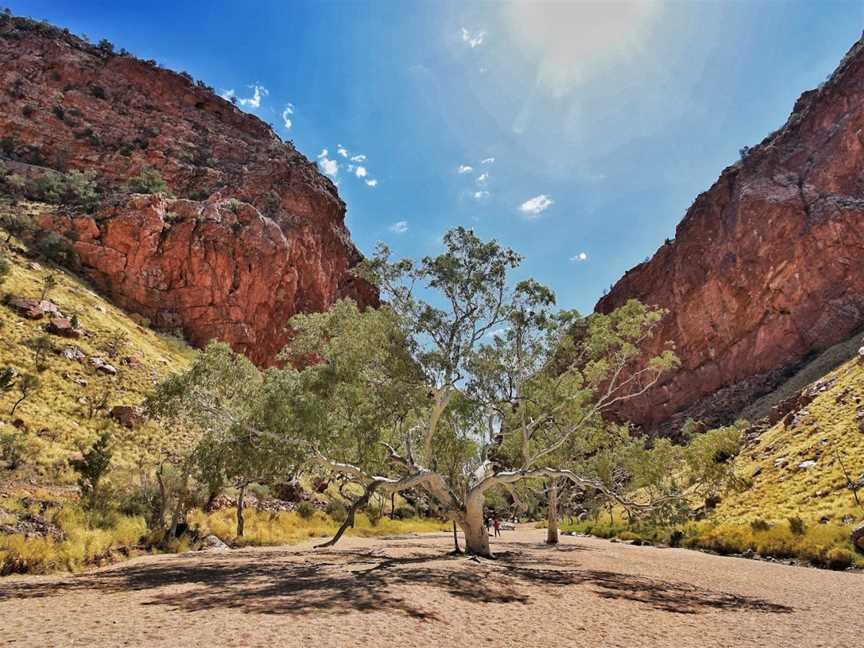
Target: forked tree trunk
x=241, y=496
x=552, y=514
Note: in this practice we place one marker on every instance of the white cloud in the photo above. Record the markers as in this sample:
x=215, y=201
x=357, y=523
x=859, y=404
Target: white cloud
x=328, y=166
x=482, y=179
x=258, y=93
x=533, y=207
x=473, y=39
x=286, y=119
x=341, y=150
x=360, y=172
x=489, y=160
x=358, y=158
x=323, y=153
x=372, y=182
x=399, y=228
x=582, y=256
x=480, y=195
x=464, y=168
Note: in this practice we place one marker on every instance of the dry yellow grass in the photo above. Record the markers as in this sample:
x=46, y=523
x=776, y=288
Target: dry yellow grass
x=290, y=528
x=828, y=433
x=56, y=417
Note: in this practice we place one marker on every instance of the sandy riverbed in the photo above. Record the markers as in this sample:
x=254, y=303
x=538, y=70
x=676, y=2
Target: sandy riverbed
x=408, y=592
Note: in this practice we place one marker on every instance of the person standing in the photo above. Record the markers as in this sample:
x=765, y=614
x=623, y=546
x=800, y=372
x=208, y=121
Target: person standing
x=496, y=524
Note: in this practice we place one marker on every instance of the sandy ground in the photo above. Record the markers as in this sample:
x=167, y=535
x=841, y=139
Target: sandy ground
x=408, y=592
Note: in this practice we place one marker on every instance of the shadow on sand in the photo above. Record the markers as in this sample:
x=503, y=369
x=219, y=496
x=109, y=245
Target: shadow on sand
x=342, y=581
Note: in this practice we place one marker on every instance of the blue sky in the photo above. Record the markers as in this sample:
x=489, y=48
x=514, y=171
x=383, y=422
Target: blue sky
x=598, y=123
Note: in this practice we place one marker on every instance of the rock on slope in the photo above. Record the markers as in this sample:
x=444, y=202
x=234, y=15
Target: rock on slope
x=767, y=266
x=260, y=234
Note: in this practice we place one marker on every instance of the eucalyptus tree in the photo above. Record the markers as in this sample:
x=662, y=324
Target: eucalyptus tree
x=221, y=410
x=417, y=358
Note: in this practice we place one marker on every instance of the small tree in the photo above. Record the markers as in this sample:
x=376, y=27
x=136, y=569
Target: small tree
x=42, y=346
x=93, y=465
x=5, y=270
x=49, y=283
x=15, y=223
x=27, y=385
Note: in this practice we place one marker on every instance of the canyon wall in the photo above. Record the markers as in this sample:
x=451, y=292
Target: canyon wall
x=250, y=232
x=767, y=266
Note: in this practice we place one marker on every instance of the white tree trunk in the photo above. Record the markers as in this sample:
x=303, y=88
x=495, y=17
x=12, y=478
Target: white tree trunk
x=476, y=535
x=552, y=514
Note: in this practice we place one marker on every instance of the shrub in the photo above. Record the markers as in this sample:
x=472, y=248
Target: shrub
x=57, y=249
x=796, y=525
x=93, y=465
x=759, y=525
x=404, y=512
x=5, y=269
x=12, y=449
x=148, y=181
x=337, y=511
x=305, y=510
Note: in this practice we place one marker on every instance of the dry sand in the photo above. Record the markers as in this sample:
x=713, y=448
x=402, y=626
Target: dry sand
x=408, y=592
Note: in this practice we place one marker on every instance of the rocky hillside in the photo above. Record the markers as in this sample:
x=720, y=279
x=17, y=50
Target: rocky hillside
x=253, y=232
x=767, y=266
x=94, y=366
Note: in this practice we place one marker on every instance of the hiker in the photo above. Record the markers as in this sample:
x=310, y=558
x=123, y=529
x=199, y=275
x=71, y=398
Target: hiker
x=487, y=522
x=496, y=524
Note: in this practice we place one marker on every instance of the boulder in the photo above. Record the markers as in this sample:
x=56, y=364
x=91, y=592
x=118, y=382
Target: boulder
x=28, y=308
x=100, y=364
x=858, y=537
x=73, y=352
x=132, y=362
x=127, y=415
x=213, y=543
x=62, y=327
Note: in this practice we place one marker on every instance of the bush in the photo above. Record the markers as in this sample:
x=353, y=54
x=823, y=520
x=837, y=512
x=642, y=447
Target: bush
x=404, y=512
x=337, y=511
x=148, y=181
x=12, y=449
x=796, y=525
x=57, y=249
x=305, y=510
x=5, y=269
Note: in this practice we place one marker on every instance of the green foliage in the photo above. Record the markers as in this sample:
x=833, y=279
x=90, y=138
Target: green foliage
x=305, y=510
x=710, y=460
x=41, y=345
x=16, y=223
x=48, y=284
x=92, y=466
x=12, y=449
x=27, y=385
x=5, y=269
x=76, y=188
x=148, y=181
x=337, y=510
x=57, y=249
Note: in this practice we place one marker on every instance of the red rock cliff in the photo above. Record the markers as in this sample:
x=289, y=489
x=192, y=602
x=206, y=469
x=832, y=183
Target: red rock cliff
x=260, y=234
x=767, y=266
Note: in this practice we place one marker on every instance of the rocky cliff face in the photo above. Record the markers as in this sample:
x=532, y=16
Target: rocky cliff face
x=256, y=233
x=767, y=266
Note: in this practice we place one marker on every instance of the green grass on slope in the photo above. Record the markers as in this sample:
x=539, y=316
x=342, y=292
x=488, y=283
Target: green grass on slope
x=827, y=432
x=56, y=418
